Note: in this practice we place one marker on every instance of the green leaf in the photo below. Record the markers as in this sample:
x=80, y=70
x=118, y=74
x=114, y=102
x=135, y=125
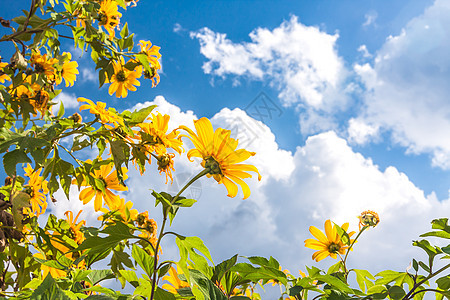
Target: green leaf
x=222, y=268
x=48, y=290
x=334, y=282
x=117, y=232
x=396, y=292
x=208, y=289
x=144, y=260
x=185, y=202
x=140, y=115
x=363, y=278
x=19, y=201
x=11, y=159
x=130, y=276
x=97, y=276
x=343, y=234
x=444, y=282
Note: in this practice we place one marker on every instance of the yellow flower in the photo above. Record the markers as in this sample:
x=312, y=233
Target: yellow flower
x=3, y=76
x=329, y=244
x=37, y=189
x=165, y=164
x=124, y=79
x=43, y=65
x=40, y=101
x=109, y=16
x=100, y=111
x=148, y=227
x=69, y=70
x=219, y=154
x=175, y=282
x=153, y=55
x=74, y=227
x=160, y=139
x=107, y=177
x=368, y=218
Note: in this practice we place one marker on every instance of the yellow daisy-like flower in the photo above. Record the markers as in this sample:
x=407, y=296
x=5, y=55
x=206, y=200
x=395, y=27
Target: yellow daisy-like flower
x=100, y=111
x=109, y=179
x=219, y=154
x=368, y=218
x=3, y=77
x=37, y=189
x=153, y=55
x=165, y=164
x=74, y=227
x=175, y=282
x=124, y=79
x=42, y=64
x=109, y=16
x=69, y=70
x=329, y=244
x=40, y=101
x=160, y=139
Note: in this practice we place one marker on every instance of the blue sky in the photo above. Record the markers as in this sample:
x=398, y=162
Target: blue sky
x=362, y=118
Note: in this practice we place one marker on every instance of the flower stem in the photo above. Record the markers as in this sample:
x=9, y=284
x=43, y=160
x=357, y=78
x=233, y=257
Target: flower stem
x=161, y=233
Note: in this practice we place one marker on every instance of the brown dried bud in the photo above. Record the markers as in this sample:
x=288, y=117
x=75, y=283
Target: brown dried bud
x=8, y=180
x=5, y=23
x=76, y=117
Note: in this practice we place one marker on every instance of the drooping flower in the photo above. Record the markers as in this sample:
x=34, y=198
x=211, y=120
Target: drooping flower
x=74, y=227
x=40, y=101
x=109, y=16
x=153, y=55
x=368, y=218
x=108, y=178
x=43, y=65
x=328, y=244
x=99, y=109
x=175, y=283
x=219, y=154
x=165, y=164
x=37, y=189
x=123, y=79
x=155, y=137
x=148, y=227
x=69, y=70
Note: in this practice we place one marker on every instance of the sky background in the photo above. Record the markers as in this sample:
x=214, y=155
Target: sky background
x=345, y=103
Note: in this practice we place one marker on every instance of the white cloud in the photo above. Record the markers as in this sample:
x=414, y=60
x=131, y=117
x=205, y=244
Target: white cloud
x=300, y=61
x=370, y=19
x=363, y=50
x=88, y=75
x=408, y=85
x=177, y=28
x=69, y=100
x=360, y=132
x=324, y=179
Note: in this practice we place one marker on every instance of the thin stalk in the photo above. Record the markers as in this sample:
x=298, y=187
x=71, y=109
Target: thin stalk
x=410, y=293
x=161, y=233
x=351, y=245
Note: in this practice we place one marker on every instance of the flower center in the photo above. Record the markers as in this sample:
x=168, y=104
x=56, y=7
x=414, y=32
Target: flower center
x=163, y=161
x=212, y=165
x=39, y=68
x=121, y=76
x=334, y=248
x=103, y=19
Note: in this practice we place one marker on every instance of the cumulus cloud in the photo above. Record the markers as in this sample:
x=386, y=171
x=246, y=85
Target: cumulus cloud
x=324, y=179
x=69, y=100
x=88, y=75
x=300, y=61
x=407, y=85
